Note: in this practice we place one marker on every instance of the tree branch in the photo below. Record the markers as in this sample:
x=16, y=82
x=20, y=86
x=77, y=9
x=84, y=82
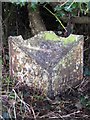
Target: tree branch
x=78, y=20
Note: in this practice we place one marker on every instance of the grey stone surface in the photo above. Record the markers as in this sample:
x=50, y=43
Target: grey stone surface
x=49, y=64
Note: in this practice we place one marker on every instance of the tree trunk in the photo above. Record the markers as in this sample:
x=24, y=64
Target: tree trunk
x=36, y=22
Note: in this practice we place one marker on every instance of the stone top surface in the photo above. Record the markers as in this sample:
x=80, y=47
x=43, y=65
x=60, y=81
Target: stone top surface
x=46, y=47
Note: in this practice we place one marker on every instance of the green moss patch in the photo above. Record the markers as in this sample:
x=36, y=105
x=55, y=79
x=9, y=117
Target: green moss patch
x=53, y=37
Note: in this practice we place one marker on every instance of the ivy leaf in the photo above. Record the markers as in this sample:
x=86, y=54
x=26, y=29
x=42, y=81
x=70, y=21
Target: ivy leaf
x=68, y=9
x=60, y=14
x=33, y=6
x=75, y=5
x=58, y=8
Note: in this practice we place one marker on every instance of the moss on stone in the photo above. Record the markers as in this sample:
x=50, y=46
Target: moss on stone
x=70, y=39
x=53, y=37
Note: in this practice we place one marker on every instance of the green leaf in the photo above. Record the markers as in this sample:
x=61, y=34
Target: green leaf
x=68, y=9
x=60, y=14
x=58, y=8
x=75, y=5
x=33, y=6
x=12, y=96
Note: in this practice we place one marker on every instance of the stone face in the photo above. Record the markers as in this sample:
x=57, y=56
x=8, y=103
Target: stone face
x=52, y=65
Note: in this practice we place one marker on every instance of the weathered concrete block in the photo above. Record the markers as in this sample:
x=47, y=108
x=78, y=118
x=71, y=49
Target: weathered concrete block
x=47, y=61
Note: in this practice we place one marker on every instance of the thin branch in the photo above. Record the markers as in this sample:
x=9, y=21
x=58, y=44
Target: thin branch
x=61, y=116
x=68, y=115
x=14, y=110
x=9, y=113
x=26, y=105
x=71, y=4
x=33, y=112
x=64, y=3
x=77, y=20
x=50, y=113
x=56, y=18
x=2, y=117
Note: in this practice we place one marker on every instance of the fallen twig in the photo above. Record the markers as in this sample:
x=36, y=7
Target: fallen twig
x=2, y=117
x=27, y=106
x=47, y=115
x=61, y=116
x=68, y=115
